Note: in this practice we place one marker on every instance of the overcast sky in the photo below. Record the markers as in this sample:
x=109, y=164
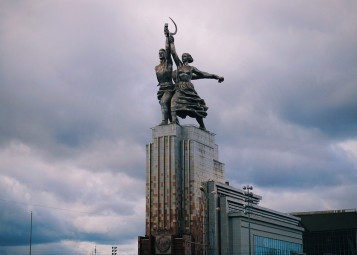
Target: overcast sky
x=78, y=99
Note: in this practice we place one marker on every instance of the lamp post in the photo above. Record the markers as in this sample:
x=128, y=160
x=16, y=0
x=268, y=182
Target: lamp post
x=249, y=199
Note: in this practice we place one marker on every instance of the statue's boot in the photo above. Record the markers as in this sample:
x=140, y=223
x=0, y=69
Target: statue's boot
x=170, y=116
x=201, y=123
x=165, y=116
x=174, y=118
x=164, y=119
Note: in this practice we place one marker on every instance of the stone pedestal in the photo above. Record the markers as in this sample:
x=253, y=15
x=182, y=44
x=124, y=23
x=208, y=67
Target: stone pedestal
x=179, y=161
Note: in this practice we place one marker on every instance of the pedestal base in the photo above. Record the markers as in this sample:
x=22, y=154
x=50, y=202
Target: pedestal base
x=164, y=245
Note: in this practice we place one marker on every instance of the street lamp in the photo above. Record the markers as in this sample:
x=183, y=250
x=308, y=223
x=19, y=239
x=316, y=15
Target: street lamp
x=249, y=199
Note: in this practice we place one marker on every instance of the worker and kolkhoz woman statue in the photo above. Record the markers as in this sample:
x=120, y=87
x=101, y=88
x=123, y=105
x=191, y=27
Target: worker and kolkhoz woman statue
x=177, y=95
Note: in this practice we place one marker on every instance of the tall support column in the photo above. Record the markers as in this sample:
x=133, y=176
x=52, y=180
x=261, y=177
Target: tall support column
x=178, y=160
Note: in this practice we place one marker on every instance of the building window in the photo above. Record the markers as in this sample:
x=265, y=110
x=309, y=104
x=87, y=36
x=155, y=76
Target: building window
x=268, y=246
x=341, y=242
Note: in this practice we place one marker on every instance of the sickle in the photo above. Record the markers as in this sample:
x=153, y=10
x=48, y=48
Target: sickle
x=175, y=27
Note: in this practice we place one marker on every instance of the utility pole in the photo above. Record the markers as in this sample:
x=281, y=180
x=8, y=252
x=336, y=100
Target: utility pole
x=249, y=200
x=114, y=250
x=31, y=233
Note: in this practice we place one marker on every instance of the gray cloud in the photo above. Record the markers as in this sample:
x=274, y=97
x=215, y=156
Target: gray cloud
x=78, y=99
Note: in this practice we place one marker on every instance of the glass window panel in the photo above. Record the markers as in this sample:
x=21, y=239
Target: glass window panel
x=264, y=246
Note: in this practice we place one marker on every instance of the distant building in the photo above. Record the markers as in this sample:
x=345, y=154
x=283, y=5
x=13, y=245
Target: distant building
x=191, y=209
x=329, y=232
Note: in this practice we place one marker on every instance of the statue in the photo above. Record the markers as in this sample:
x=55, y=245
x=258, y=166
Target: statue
x=164, y=77
x=185, y=100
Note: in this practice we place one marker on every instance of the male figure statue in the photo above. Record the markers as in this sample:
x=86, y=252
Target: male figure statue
x=164, y=77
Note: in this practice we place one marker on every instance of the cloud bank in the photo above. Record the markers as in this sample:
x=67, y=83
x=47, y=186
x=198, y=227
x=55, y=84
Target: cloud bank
x=78, y=99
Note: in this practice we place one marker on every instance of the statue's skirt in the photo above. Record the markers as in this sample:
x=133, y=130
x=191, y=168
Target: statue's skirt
x=186, y=101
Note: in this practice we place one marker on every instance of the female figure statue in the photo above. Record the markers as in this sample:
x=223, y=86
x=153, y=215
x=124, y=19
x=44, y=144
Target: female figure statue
x=185, y=101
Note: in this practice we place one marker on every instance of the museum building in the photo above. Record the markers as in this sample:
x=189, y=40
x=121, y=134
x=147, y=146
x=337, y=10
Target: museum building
x=238, y=225
x=192, y=209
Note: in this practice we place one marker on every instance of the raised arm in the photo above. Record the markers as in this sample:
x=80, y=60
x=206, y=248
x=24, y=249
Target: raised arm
x=167, y=46
x=204, y=75
x=173, y=52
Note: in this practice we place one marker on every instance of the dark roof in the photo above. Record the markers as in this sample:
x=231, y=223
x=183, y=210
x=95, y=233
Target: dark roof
x=328, y=220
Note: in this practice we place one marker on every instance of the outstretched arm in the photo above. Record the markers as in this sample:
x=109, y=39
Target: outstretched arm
x=204, y=75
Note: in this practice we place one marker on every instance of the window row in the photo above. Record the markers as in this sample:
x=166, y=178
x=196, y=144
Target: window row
x=269, y=246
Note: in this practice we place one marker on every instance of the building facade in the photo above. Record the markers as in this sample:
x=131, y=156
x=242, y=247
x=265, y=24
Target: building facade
x=238, y=225
x=178, y=160
x=191, y=209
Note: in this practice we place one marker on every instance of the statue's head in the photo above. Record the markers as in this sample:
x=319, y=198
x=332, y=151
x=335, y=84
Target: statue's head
x=162, y=54
x=186, y=57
